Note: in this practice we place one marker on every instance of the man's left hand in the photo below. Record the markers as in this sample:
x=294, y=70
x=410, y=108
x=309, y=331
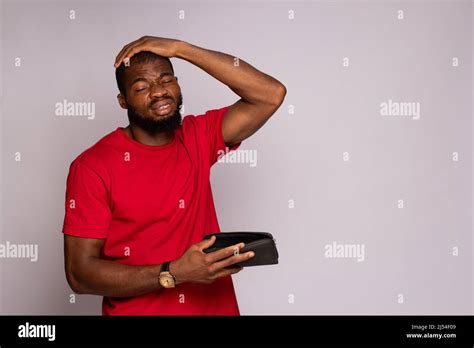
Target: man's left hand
x=158, y=45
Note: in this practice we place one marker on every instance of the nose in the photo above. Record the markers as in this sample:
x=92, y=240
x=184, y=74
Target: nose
x=158, y=91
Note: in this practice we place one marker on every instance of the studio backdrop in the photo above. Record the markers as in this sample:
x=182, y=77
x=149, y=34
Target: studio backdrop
x=363, y=176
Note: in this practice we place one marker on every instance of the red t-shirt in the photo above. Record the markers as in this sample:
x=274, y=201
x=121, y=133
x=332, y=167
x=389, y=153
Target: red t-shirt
x=150, y=203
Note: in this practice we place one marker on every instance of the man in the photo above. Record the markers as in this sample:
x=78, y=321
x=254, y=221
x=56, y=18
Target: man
x=139, y=201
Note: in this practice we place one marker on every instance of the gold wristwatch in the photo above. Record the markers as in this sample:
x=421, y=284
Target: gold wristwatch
x=167, y=279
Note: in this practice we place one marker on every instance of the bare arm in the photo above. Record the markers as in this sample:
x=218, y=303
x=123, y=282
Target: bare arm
x=87, y=273
x=261, y=95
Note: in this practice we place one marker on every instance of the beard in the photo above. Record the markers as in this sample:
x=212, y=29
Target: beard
x=153, y=126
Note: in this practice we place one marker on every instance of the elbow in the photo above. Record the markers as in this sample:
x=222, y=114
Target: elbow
x=279, y=95
x=75, y=285
x=282, y=91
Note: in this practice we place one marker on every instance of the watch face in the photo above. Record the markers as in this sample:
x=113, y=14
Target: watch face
x=166, y=280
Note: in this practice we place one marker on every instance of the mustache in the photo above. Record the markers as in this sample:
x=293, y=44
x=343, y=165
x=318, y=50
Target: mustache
x=154, y=101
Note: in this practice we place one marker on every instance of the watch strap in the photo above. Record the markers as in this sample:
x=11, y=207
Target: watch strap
x=165, y=267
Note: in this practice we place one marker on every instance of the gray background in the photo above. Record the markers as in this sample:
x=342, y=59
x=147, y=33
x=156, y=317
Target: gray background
x=300, y=156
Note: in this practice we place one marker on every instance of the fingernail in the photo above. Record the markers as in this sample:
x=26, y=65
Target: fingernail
x=251, y=254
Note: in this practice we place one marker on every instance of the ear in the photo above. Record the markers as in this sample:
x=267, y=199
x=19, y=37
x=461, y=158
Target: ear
x=121, y=100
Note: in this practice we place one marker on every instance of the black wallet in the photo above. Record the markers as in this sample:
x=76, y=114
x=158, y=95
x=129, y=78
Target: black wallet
x=261, y=243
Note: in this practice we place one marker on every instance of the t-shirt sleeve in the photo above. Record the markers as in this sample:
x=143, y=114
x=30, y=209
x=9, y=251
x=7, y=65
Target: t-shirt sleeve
x=87, y=210
x=213, y=131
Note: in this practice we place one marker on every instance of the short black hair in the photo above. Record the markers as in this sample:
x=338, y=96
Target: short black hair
x=140, y=57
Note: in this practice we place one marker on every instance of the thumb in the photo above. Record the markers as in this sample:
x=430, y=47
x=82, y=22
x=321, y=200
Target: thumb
x=206, y=243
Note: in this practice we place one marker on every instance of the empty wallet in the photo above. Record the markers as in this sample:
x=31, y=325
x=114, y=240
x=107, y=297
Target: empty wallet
x=261, y=243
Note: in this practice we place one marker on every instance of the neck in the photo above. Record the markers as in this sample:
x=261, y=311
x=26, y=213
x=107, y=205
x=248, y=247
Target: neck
x=145, y=138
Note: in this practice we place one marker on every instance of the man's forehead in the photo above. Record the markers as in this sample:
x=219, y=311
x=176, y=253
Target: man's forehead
x=151, y=69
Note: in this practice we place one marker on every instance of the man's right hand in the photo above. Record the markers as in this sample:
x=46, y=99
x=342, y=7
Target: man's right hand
x=198, y=267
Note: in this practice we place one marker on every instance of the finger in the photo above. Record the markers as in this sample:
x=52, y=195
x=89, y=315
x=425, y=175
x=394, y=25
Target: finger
x=206, y=243
x=119, y=57
x=224, y=252
x=126, y=49
x=233, y=259
x=132, y=50
x=123, y=56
